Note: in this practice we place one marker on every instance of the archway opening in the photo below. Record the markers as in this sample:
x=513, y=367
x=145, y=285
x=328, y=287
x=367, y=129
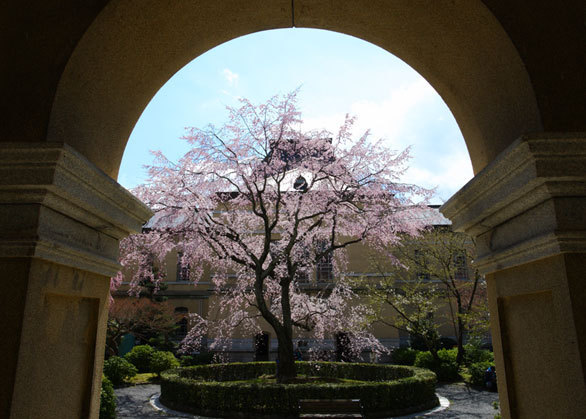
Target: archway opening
x=338, y=74
x=460, y=49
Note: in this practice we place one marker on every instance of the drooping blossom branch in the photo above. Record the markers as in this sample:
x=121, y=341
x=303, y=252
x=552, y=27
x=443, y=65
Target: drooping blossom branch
x=257, y=203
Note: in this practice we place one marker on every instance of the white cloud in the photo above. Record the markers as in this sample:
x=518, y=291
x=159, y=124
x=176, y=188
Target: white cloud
x=439, y=156
x=386, y=119
x=230, y=76
x=447, y=174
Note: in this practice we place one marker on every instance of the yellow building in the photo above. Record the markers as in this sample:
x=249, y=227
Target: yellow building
x=202, y=299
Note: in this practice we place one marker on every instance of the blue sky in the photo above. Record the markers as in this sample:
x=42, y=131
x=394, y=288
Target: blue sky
x=338, y=74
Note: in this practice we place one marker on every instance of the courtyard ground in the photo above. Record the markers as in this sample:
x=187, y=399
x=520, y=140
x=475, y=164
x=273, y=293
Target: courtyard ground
x=465, y=402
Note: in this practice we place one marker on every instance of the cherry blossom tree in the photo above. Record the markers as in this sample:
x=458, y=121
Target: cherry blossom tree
x=256, y=203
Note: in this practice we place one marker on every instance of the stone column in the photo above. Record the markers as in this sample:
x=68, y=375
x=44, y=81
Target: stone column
x=60, y=222
x=527, y=211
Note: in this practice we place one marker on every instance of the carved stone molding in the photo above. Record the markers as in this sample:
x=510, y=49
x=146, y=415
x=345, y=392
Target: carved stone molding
x=59, y=207
x=529, y=203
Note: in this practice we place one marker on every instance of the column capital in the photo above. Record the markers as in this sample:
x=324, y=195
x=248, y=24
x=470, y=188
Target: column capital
x=61, y=208
x=527, y=204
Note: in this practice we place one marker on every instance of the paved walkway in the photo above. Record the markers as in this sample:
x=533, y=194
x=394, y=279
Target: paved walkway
x=465, y=403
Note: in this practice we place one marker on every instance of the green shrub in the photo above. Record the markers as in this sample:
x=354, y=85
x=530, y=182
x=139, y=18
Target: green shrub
x=249, y=370
x=445, y=368
x=424, y=359
x=188, y=361
x=496, y=406
x=477, y=371
x=162, y=343
x=118, y=369
x=387, y=390
x=404, y=356
x=107, y=400
x=202, y=358
x=140, y=357
x=448, y=354
x=161, y=361
x=228, y=372
x=474, y=354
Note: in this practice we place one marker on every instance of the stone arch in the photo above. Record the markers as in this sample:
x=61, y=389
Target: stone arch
x=132, y=48
x=76, y=77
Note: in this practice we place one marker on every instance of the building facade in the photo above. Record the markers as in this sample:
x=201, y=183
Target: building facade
x=203, y=299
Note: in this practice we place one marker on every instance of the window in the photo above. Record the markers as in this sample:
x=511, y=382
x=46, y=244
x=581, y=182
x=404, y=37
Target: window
x=460, y=269
x=302, y=275
x=261, y=346
x=305, y=269
x=324, y=269
x=182, y=325
x=300, y=184
x=421, y=265
x=182, y=269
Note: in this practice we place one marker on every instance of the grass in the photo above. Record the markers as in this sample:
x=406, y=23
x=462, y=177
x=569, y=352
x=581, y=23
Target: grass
x=466, y=377
x=144, y=378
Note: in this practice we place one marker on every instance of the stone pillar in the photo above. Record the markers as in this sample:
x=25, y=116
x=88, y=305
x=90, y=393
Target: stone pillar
x=60, y=222
x=527, y=211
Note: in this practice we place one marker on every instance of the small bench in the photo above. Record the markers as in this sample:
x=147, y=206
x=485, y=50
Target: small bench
x=330, y=408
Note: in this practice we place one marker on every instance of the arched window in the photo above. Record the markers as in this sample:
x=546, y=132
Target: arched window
x=300, y=184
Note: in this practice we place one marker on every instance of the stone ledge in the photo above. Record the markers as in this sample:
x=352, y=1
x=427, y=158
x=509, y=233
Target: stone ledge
x=63, y=209
x=57, y=176
x=517, y=207
x=61, y=253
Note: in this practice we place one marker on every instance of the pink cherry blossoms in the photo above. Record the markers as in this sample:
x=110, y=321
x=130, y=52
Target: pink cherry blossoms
x=255, y=204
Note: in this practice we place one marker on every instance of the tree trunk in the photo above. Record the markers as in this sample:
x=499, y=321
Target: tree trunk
x=286, y=370
x=460, y=355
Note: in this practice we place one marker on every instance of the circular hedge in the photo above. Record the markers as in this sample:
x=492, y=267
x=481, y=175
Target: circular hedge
x=220, y=390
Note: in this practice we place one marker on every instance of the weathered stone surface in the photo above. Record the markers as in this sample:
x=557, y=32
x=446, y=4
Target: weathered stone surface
x=61, y=208
x=529, y=203
x=527, y=211
x=63, y=219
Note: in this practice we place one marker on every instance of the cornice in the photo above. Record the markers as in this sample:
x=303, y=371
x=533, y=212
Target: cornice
x=520, y=206
x=62, y=208
x=57, y=176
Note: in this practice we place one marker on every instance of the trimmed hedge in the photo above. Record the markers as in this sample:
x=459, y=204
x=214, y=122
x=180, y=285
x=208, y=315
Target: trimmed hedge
x=118, y=369
x=386, y=390
x=249, y=370
x=107, y=400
